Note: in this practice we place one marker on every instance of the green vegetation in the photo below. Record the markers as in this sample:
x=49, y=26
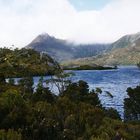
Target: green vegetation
x=75, y=114
x=23, y=62
x=138, y=64
x=132, y=104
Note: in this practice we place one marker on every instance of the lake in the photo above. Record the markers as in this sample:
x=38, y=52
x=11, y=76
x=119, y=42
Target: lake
x=114, y=81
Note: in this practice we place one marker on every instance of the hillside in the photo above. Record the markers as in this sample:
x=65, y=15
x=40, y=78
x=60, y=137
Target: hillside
x=56, y=48
x=63, y=50
x=25, y=62
x=127, y=40
x=125, y=51
x=121, y=56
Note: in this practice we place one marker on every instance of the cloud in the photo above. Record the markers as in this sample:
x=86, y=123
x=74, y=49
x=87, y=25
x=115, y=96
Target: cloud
x=22, y=20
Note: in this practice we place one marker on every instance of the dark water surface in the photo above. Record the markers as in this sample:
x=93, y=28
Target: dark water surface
x=114, y=81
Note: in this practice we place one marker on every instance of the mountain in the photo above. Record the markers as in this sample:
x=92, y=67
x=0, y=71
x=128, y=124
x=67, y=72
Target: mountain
x=56, y=48
x=63, y=50
x=125, y=41
x=125, y=51
x=126, y=55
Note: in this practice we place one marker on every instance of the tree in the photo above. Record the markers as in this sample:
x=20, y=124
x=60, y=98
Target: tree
x=2, y=79
x=60, y=80
x=132, y=104
x=10, y=135
x=79, y=92
x=112, y=113
x=26, y=86
x=11, y=81
x=12, y=109
x=43, y=93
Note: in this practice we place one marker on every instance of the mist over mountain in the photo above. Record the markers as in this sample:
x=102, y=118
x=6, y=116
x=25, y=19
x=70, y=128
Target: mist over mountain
x=126, y=50
x=58, y=49
x=125, y=41
x=63, y=50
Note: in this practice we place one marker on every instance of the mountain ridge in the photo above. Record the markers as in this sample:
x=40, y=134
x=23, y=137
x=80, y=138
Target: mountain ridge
x=63, y=50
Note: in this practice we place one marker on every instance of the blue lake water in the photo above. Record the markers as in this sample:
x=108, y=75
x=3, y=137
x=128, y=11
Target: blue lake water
x=114, y=81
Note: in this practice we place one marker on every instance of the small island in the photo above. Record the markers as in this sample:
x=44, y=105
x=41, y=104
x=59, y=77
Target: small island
x=89, y=67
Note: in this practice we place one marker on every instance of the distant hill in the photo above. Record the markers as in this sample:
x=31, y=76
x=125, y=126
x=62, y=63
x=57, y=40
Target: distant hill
x=125, y=51
x=63, y=50
x=125, y=41
x=25, y=62
x=56, y=48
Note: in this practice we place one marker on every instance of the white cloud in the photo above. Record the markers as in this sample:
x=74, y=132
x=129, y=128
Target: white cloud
x=22, y=20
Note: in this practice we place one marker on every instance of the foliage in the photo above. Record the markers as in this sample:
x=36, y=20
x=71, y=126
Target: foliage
x=74, y=114
x=112, y=113
x=43, y=93
x=79, y=92
x=25, y=62
x=10, y=135
x=61, y=80
x=138, y=64
x=132, y=104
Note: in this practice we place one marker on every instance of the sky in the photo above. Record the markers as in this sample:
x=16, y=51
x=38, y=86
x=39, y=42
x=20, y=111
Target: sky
x=89, y=4
x=80, y=21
